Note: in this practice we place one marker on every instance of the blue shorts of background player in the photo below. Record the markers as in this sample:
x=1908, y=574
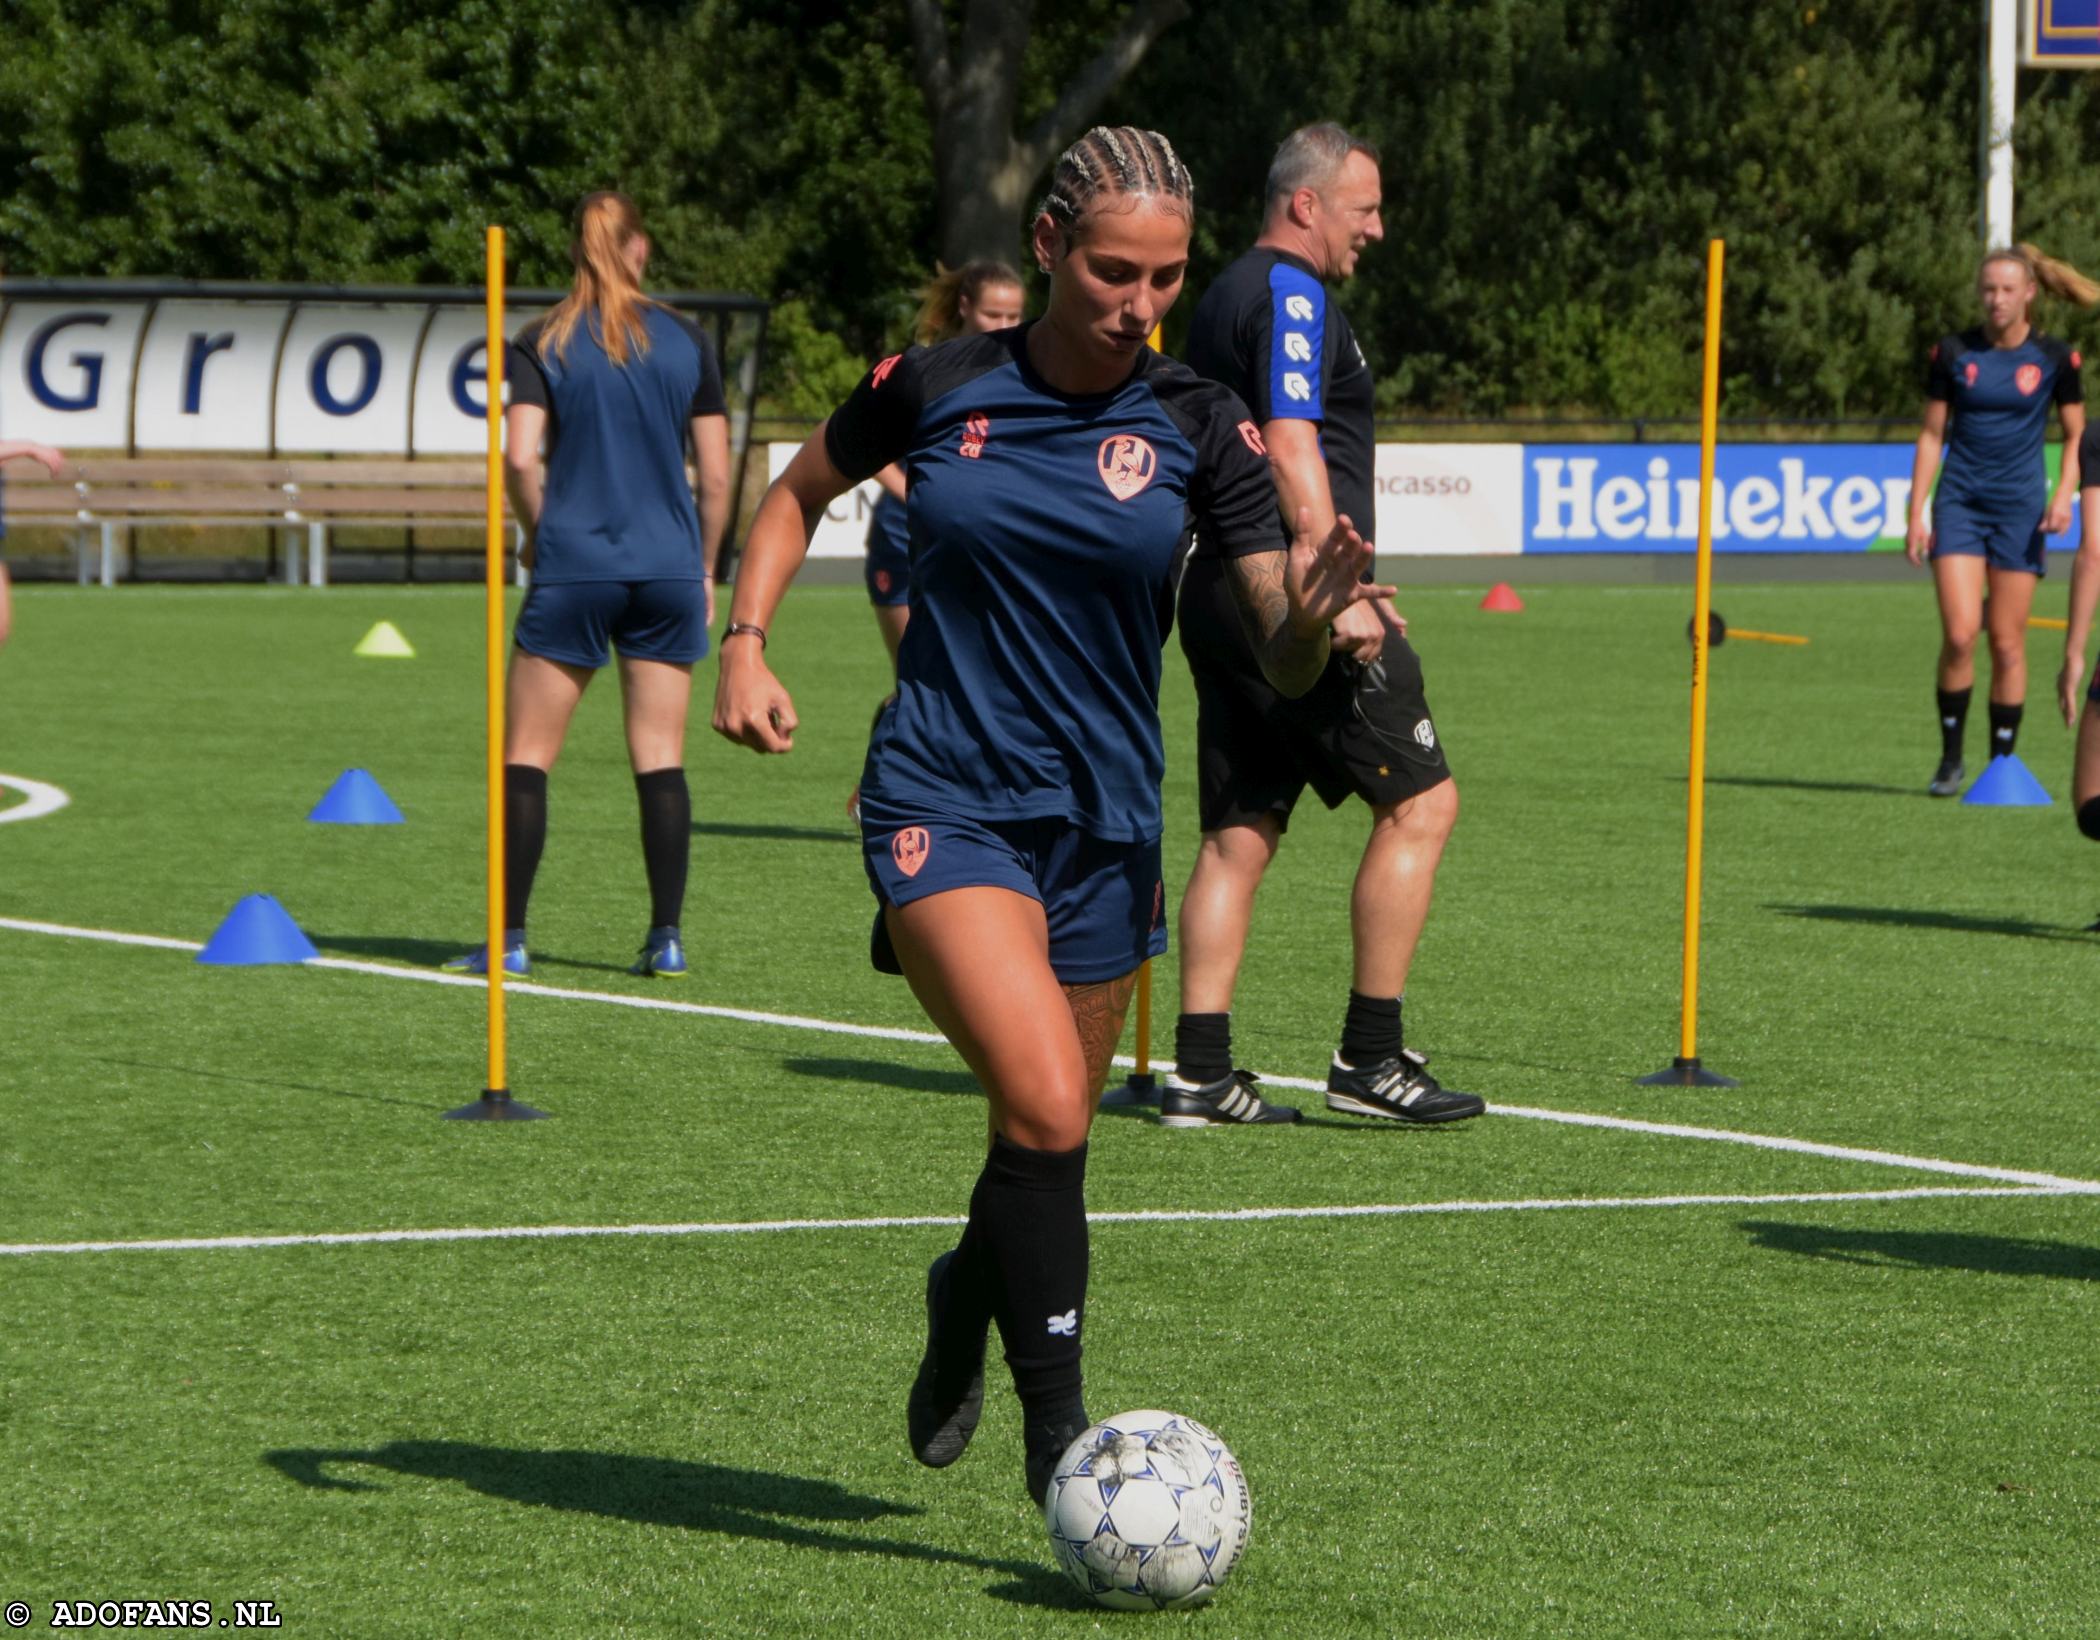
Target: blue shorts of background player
x=1964, y=531
x=888, y=574
x=577, y=622
x=1105, y=902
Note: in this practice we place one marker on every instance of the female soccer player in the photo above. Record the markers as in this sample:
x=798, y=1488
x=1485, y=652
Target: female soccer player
x=979, y=296
x=2085, y=593
x=1010, y=802
x=1990, y=519
x=55, y=463
x=616, y=383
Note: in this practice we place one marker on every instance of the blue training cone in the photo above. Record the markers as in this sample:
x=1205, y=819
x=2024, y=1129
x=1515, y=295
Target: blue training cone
x=2007, y=783
x=257, y=930
x=356, y=799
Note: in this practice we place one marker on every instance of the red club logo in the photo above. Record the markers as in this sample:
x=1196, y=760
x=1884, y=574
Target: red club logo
x=1127, y=464
x=1252, y=435
x=975, y=431
x=909, y=849
x=882, y=581
x=2076, y=360
x=2027, y=378
x=882, y=371
x=1969, y=372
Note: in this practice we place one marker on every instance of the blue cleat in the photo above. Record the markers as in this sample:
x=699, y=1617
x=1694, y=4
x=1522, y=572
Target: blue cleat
x=663, y=954
x=476, y=961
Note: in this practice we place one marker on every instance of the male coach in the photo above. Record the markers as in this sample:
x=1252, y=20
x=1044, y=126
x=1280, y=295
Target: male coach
x=1267, y=330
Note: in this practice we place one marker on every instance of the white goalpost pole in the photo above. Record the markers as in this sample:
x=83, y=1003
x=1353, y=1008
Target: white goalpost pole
x=2001, y=61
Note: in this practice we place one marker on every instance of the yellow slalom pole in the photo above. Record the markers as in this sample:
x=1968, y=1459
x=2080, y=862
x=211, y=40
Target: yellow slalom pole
x=2048, y=623
x=498, y=1082
x=495, y=1103
x=1685, y=1070
x=1735, y=632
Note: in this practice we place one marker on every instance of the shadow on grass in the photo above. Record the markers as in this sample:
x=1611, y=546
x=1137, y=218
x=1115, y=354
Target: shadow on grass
x=1775, y=783
x=1951, y=922
x=883, y=1073
x=1930, y=1250
x=395, y=947
x=435, y=953
x=672, y=1492
x=268, y=1082
x=780, y=834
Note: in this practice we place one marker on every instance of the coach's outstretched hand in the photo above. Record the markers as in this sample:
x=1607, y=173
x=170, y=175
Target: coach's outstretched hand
x=1323, y=578
x=752, y=707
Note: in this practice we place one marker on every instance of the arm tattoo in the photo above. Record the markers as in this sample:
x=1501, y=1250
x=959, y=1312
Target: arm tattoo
x=1097, y=1011
x=1292, y=665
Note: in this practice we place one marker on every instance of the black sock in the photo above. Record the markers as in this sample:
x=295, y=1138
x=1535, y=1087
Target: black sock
x=1023, y=1258
x=667, y=841
x=1954, y=718
x=524, y=836
x=1203, y=1047
x=1370, y=1030
x=2005, y=727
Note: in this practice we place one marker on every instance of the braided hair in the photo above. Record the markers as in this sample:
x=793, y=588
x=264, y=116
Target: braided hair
x=1117, y=159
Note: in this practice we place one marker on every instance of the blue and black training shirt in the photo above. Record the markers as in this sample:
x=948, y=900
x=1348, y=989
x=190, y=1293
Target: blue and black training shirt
x=1047, y=531
x=617, y=505
x=1999, y=399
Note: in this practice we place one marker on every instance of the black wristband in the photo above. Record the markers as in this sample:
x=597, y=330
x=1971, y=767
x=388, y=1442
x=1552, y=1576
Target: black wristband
x=735, y=627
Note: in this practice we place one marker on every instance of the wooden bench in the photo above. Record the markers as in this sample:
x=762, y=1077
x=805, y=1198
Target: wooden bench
x=96, y=497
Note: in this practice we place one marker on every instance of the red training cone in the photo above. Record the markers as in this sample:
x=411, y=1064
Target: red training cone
x=1502, y=598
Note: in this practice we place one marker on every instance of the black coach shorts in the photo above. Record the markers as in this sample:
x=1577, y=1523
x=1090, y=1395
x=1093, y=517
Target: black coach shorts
x=1359, y=732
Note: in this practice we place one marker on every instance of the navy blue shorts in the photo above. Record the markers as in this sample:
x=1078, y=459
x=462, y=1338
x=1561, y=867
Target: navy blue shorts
x=888, y=573
x=1105, y=902
x=574, y=621
x=1963, y=531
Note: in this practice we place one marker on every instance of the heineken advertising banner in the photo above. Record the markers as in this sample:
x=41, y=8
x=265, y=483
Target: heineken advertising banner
x=1767, y=498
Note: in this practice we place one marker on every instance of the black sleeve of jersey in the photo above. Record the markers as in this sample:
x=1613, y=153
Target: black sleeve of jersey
x=522, y=369
x=2070, y=384
x=874, y=427
x=1234, y=497
x=2089, y=457
x=1939, y=369
x=708, y=396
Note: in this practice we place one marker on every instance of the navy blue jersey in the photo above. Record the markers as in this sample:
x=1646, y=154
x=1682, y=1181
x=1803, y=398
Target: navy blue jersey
x=1047, y=532
x=1998, y=399
x=1267, y=331
x=617, y=506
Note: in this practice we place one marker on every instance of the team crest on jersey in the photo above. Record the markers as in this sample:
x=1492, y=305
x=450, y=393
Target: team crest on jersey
x=1425, y=734
x=2027, y=378
x=909, y=849
x=1250, y=435
x=975, y=431
x=1127, y=464
x=882, y=581
x=1968, y=372
x=882, y=370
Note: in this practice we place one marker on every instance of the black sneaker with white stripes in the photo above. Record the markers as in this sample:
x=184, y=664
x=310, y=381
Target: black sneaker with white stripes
x=1228, y=1102
x=1399, y=1089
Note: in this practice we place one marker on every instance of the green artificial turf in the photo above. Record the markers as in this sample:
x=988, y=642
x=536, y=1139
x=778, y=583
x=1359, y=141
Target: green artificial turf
x=1854, y=1416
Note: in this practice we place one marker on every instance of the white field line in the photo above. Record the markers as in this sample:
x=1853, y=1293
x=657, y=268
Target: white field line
x=40, y=799
x=565, y=1232
x=799, y=1022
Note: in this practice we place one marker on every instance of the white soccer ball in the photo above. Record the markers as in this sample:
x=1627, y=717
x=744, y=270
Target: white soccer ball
x=1148, y=1512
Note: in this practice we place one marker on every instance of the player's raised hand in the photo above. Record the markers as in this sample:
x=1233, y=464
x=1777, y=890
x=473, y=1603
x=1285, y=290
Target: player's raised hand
x=753, y=707
x=1323, y=578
